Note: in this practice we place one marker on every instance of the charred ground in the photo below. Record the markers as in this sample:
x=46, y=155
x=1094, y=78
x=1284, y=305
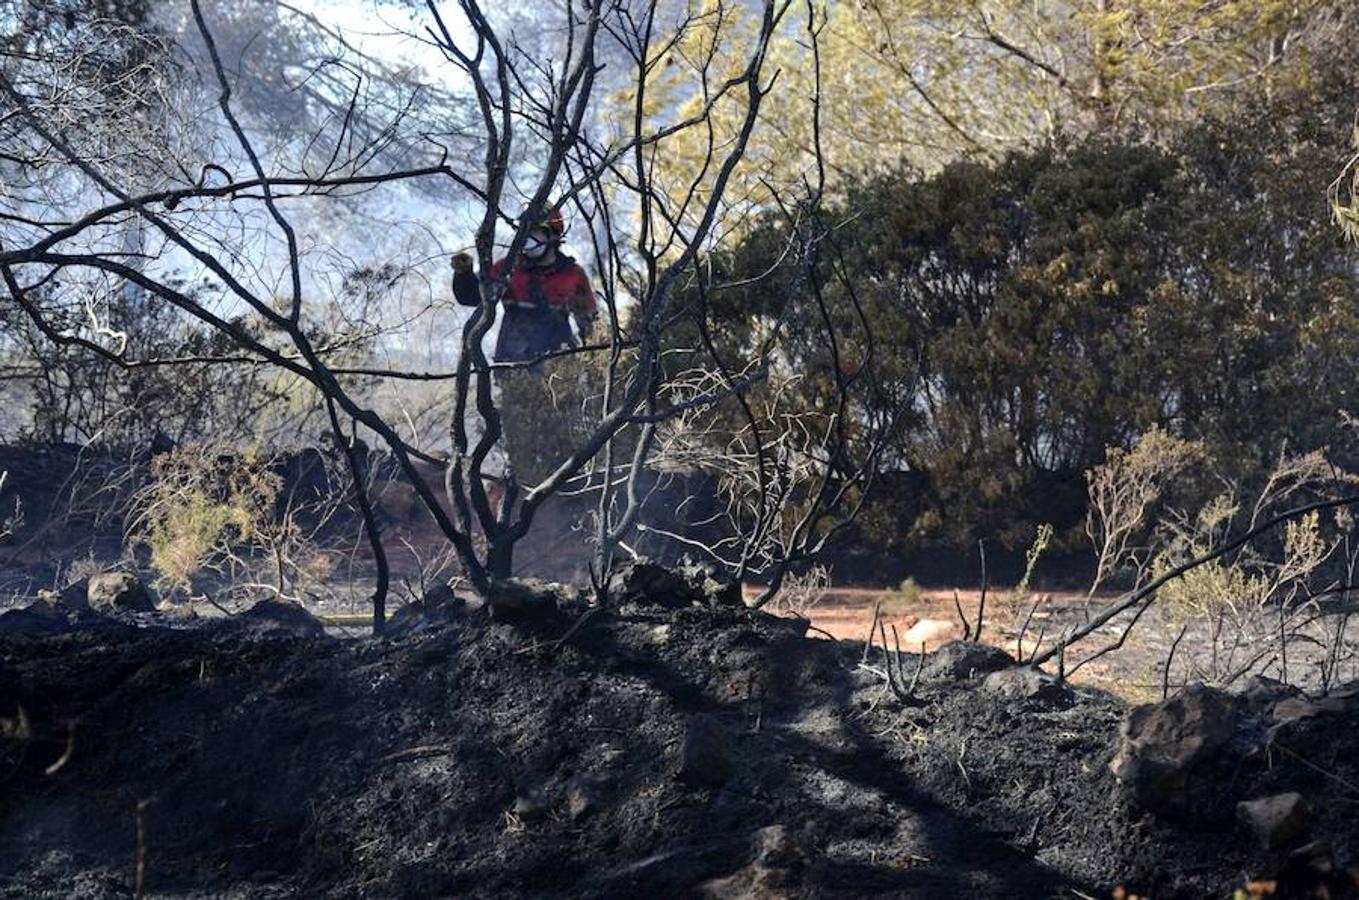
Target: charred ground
x=665, y=745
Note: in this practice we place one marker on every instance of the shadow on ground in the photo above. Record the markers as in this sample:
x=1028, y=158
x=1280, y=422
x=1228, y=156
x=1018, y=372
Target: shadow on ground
x=652, y=748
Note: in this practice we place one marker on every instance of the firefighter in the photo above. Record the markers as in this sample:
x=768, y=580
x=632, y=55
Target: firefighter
x=545, y=290
x=544, y=293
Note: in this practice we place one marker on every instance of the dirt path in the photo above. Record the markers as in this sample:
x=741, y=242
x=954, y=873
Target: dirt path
x=931, y=619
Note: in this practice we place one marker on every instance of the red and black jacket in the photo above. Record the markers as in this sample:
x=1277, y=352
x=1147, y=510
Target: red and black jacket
x=537, y=301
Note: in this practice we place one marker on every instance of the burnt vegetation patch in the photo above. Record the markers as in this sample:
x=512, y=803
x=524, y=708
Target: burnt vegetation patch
x=786, y=300
x=647, y=746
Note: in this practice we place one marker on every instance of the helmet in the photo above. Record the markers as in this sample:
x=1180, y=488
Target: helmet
x=554, y=224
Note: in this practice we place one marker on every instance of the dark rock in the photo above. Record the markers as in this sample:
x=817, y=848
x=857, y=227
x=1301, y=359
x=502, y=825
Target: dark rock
x=643, y=581
x=530, y=805
x=440, y=605
x=1316, y=855
x=713, y=587
x=273, y=615
x=1316, y=870
x=1261, y=693
x=958, y=660
x=795, y=626
x=407, y=619
x=1291, y=709
x=74, y=596
x=1025, y=683
x=691, y=584
x=441, y=601
x=584, y=795
x=775, y=865
x=518, y=600
x=118, y=592
x=1274, y=821
x=706, y=758
x=1163, y=745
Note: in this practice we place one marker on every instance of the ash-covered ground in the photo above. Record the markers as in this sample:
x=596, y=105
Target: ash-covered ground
x=669, y=743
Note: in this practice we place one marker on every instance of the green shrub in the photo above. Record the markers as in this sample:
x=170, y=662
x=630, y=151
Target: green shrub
x=197, y=504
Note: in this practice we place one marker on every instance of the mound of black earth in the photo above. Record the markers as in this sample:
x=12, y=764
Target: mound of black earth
x=654, y=749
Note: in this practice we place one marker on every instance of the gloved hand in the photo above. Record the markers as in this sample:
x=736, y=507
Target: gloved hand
x=462, y=262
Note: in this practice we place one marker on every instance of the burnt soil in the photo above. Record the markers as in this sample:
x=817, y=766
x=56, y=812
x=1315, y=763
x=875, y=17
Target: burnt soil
x=483, y=758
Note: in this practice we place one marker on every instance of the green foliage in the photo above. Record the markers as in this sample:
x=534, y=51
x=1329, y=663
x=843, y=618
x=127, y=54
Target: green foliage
x=1245, y=608
x=1020, y=595
x=1041, y=539
x=922, y=83
x=196, y=505
x=1125, y=492
x=1075, y=298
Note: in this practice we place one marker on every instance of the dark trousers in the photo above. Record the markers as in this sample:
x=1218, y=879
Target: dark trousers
x=540, y=404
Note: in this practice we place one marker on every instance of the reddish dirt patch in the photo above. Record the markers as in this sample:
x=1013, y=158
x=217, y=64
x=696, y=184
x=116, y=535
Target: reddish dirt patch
x=847, y=612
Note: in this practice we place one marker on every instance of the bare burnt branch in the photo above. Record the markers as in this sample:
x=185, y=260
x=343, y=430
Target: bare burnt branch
x=808, y=474
x=1143, y=596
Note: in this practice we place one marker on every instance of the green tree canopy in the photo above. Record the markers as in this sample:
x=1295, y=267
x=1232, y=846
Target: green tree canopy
x=1071, y=298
